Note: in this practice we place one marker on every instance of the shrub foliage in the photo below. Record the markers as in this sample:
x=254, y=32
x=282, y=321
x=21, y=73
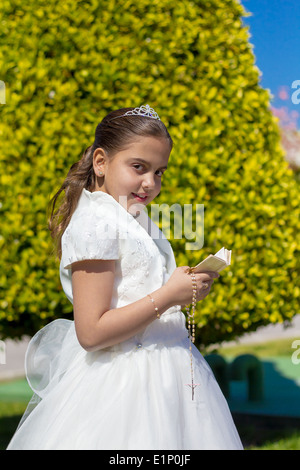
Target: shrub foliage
x=65, y=65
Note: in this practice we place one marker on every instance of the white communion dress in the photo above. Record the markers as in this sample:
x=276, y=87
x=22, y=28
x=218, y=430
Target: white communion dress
x=135, y=395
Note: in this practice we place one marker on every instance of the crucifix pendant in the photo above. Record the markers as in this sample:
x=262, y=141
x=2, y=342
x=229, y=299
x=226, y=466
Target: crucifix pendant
x=193, y=386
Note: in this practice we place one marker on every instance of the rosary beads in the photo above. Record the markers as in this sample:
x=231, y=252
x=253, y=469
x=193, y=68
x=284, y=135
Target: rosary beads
x=191, y=330
x=191, y=317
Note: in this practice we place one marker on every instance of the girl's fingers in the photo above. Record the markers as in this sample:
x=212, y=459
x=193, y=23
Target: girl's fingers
x=204, y=277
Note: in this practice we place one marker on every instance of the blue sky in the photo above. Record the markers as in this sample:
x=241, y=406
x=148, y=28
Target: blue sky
x=275, y=34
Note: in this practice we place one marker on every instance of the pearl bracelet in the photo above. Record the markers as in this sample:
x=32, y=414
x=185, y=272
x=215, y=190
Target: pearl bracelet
x=155, y=308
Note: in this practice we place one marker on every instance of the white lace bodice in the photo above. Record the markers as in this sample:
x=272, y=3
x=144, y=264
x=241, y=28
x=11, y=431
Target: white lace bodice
x=101, y=228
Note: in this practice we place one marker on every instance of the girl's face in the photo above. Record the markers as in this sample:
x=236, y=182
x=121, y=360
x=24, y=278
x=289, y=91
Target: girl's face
x=133, y=175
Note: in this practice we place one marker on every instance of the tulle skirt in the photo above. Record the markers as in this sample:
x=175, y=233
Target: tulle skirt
x=136, y=395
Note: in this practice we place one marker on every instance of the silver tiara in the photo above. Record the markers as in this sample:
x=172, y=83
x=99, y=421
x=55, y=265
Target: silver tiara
x=144, y=111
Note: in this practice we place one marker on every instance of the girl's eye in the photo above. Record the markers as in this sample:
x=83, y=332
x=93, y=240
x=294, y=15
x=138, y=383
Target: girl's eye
x=138, y=166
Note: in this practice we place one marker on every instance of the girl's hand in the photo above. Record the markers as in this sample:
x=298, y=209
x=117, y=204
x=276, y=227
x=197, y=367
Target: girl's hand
x=180, y=285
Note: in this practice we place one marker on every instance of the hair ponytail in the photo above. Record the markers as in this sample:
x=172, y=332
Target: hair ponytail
x=81, y=175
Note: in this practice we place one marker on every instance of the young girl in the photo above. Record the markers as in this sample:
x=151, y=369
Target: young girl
x=124, y=374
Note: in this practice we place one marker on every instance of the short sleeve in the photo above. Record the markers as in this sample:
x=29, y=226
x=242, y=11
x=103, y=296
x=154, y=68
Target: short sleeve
x=89, y=237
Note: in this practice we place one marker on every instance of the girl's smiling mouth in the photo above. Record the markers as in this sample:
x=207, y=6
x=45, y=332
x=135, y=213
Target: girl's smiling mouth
x=140, y=197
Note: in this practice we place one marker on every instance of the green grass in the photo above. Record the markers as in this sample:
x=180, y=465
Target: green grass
x=14, y=397
x=15, y=390
x=288, y=443
x=10, y=415
x=273, y=348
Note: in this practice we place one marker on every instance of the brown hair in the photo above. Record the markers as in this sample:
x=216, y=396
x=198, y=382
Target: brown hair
x=112, y=134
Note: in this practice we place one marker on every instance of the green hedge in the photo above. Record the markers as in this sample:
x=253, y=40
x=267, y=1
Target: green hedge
x=65, y=65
